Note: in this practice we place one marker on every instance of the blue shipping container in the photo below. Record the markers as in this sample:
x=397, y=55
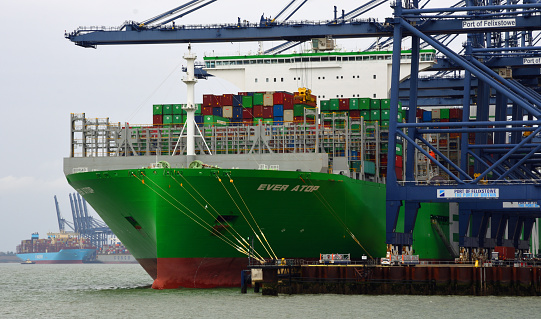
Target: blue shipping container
x=217, y=111
x=278, y=110
x=278, y=120
x=199, y=119
x=237, y=111
x=237, y=100
x=427, y=116
x=236, y=122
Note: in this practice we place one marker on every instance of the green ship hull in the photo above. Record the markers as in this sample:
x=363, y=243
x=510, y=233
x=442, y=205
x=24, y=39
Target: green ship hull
x=197, y=227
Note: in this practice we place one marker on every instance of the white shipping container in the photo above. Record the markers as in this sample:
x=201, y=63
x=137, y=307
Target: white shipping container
x=268, y=99
x=436, y=114
x=288, y=116
x=227, y=111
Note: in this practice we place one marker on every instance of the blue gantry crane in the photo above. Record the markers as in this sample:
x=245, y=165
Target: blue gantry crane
x=83, y=224
x=503, y=185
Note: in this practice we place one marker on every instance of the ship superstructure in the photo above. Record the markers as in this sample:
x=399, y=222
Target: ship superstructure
x=332, y=74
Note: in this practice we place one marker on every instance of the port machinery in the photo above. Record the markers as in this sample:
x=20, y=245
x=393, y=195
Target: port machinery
x=496, y=180
x=83, y=224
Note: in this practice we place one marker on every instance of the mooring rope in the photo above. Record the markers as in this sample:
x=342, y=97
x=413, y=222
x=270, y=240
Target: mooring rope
x=209, y=228
x=251, y=215
x=245, y=244
x=249, y=224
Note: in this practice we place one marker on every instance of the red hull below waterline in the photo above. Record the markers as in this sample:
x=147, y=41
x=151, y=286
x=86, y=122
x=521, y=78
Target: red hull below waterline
x=199, y=272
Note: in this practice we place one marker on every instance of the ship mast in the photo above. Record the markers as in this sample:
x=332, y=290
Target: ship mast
x=190, y=81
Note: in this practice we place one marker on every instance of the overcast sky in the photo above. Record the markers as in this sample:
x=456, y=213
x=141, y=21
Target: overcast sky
x=44, y=78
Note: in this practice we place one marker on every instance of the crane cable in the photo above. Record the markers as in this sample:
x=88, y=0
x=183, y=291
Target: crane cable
x=210, y=205
x=249, y=224
x=331, y=210
x=208, y=227
x=248, y=209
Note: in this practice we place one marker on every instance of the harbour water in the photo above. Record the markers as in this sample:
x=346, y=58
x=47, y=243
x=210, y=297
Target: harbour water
x=123, y=291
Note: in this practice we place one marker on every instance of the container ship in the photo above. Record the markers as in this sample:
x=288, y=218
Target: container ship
x=263, y=175
x=280, y=187
x=57, y=248
x=114, y=253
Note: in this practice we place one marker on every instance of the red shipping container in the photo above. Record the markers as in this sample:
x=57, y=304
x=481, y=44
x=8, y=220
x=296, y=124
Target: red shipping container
x=208, y=100
x=355, y=113
x=206, y=110
x=243, y=93
x=419, y=113
x=399, y=173
x=343, y=104
x=257, y=110
x=268, y=112
x=399, y=161
x=288, y=102
x=281, y=97
x=247, y=113
x=505, y=253
x=157, y=119
x=248, y=122
x=227, y=100
x=455, y=114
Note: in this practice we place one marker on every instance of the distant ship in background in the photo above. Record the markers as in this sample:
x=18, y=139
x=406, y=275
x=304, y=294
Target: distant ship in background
x=57, y=248
x=89, y=241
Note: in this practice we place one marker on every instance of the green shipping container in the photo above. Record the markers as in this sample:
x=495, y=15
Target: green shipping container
x=375, y=115
x=157, y=109
x=364, y=103
x=211, y=120
x=168, y=119
x=399, y=149
x=257, y=119
x=335, y=104
x=247, y=101
x=444, y=113
x=385, y=104
x=267, y=121
x=178, y=119
x=385, y=115
x=384, y=124
x=354, y=104
x=177, y=109
x=401, y=115
x=258, y=99
x=298, y=109
x=356, y=166
x=375, y=104
x=168, y=109
x=365, y=114
x=325, y=105
x=369, y=167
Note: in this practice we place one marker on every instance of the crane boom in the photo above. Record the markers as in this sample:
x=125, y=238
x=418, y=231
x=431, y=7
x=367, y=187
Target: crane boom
x=60, y=220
